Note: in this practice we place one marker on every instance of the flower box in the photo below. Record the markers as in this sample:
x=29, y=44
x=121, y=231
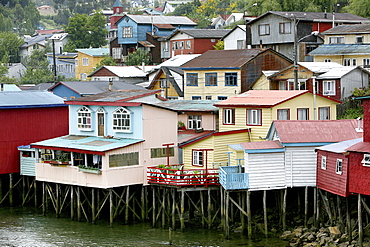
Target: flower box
x=89, y=170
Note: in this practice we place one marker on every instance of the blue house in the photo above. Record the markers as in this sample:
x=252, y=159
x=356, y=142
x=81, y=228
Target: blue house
x=65, y=64
x=75, y=89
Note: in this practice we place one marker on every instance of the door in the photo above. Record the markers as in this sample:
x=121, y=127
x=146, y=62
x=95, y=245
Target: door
x=100, y=124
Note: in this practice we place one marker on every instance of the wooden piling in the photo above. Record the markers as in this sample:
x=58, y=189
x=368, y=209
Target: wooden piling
x=265, y=213
x=284, y=209
x=209, y=208
x=93, y=210
x=173, y=208
x=359, y=219
x=56, y=200
x=249, y=215
x=43, y=199
x=78, y=203
x=182, y=210
x=348, y=219
x=72, y=204
x=153, y=207
x=305, y=205
x=11, y=189
x=227, y=227
x=127, y=203
x=111, y=214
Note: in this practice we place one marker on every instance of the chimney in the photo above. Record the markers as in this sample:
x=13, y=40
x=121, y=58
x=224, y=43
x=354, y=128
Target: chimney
x=1, y=87
x=359, y=129
x=143, y=66
x=260, y=45
x=110, y=87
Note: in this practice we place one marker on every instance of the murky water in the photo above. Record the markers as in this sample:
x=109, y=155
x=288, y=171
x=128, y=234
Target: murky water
x=23, y=227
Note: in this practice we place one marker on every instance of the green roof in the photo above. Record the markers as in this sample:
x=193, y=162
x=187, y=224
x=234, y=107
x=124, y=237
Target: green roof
x=95, y=52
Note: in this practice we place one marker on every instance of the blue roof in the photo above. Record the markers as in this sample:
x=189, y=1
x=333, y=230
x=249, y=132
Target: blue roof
x=95, y=52
x=87, y=143
x=10, y=87
x=342, y=49
x=117, y=3
x=29, y=99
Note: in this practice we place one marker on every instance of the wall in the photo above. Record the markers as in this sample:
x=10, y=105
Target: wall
x=230, y=41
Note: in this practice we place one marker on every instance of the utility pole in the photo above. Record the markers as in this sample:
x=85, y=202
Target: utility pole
x=296, y=85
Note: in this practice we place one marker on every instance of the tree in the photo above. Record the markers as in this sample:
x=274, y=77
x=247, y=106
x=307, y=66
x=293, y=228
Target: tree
x=138, y=57
x=86, y=31
x=219, y=45
x=107, y=60
x=358, y=7
x=37, y=68
x=9, y=46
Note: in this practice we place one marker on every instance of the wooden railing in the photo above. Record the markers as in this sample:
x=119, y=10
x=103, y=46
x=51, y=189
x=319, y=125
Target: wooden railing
x=231, y=178
x=175, y=175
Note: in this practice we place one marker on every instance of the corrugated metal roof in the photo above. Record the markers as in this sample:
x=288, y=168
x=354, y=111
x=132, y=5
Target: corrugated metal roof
x=320, y=67
x=341, y=49
x=190, y=105
x=222, y=59
x=312, y=131
x=34, y=40
x=87, y=143
x=123, y=71
x=337, y=73
x=363, y=147
x=16, y=99
x=116, y=96
x=204, y=33
x=261, y=98
x=9, y=87
x=237, y=147
x=164, y=26
x=162, y=19
x=94, y=87
x=340, y=147
x=348, y=29
x=179, y=60
x=145, y=43
x=95, y=52
x=261, y=145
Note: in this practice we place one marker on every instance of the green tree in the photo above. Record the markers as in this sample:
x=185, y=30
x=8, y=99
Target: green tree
x=37, y=68
x=358, y=7
x=219, y=45
x=9, y=46
x=86, y=31
x=107, y=60
x=138, y=57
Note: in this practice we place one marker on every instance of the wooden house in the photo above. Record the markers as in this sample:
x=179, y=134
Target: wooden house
x=275, y=29
x=235, y=39
x=86, y=61
x=64, y=62
x=194, y=41
x=28, y=116
x=220, y=74
x=111, y=141
x=326, y=78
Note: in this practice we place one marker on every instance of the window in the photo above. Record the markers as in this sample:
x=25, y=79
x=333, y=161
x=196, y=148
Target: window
x=85, y=61
x=254, y=116
x=366, y=160
x=327, y=60
x=211, y=79
x=360, y=39
x=323, y=162
x=76, y=62
x=221, y=97
x=84, y=118
x=329, y=87
x=302, y=114
x=339, y=166
x=231, y=79
x=192, y=79
x=165, y=46
x=117, y=53
x=83, y=76
x=181, y=45
x=196, y=97
x=228, y=116
x=324, y=113
x=354, y=61
x=240, y=44
x=264, y=29
x=282, y=85
x=366, y=62
x=197, y=158
x=161, y=152
x=126, y=159
x=194, y=122
x=209, y=97
x=121, y=119
x=188, y=44
x=126, y=32
x=336, y=40
x=283, y=114
x=347, y=62
x=164, y=83
x=285, y=27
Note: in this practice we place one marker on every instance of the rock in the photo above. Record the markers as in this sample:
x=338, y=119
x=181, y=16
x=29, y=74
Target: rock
x=334, y=230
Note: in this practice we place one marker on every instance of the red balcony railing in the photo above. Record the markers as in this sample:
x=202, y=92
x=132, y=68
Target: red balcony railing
x=175, y=175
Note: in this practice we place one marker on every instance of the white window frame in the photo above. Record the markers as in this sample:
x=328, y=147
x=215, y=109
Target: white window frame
x=336, y=40
x=346, y=62
x=359, y=39
x=323, y=162
x=228, y=116
x=121, y=120
x=83, y=76
x=188, y=44
x=117, y=52
x=127, y=32
x=285, y=27
x=366, y=160
x=197, y=158
x=365, y=62
x=339, y=167
x=328, y=87
x=264, y=29
x=195, y=122
x=85, y=61
x=324, y=113
x=254, y=117
x=76, y=62
x=84, y=119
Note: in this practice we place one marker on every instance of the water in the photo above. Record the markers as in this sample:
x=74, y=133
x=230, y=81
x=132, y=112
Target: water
x=23, y=227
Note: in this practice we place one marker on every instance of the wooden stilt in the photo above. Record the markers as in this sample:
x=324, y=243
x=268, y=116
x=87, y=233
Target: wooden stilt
x=11, y=189
x=43, y=199
x=153, y=211
x=209, y=208
x=249, y=215
x=359, y=216
x=35, y=192
x=242, y=219
x=127, y=202
x=57, y=200
x=173, y=208
x=315, y=207
x=182, y=210
x=143, y=206
x=348, y=219
x=110, y=207
x=93, y=210
x=222, y=207
x=284, y=208
x=163, y=208
x=72, y=203
x=227, y=227
x=265, y=213
x=340, y=215
x=305, y=205
x=78, y=203
x=23, y=190
x=202, y=207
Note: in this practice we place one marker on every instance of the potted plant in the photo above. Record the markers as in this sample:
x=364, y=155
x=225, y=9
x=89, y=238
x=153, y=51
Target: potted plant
x=181, y=125
x=89, y=169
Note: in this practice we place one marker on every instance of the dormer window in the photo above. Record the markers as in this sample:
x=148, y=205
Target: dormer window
x=121, y=120
x=366, y=160
x=84, y=118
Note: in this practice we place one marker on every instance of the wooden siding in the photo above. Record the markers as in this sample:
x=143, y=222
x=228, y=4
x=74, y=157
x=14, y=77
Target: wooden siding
x=300, y=166
x=92, y=62
x=359, y=175
x=203, y=144
x=327, y=179
x=23, y=126
x=262, y=84
x=348, y=38
x=265, y=174
x=214, y=91
x=340, y=58
x=170, y=91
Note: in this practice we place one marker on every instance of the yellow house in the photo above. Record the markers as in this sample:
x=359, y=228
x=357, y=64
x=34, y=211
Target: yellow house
x=170, y=81
x=87, y=59
x=347, y=45
x=247, y=118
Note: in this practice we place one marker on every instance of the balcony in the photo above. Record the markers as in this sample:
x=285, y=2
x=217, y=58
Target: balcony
x=176, y=176
x=232, y=178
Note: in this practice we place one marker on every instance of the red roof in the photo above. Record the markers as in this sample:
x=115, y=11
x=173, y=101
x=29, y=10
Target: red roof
x=305, y=131
x=363, y=147
x=261, y=145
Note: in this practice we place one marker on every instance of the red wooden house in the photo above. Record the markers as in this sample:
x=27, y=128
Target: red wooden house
x=25, y=117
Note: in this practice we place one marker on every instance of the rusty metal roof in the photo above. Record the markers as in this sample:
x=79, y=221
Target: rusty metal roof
x=262, y=145
x=145, y=43
x=348, y=29
x=164, y=26
x=341, y=49
x=314, y=131
x=223, y=59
